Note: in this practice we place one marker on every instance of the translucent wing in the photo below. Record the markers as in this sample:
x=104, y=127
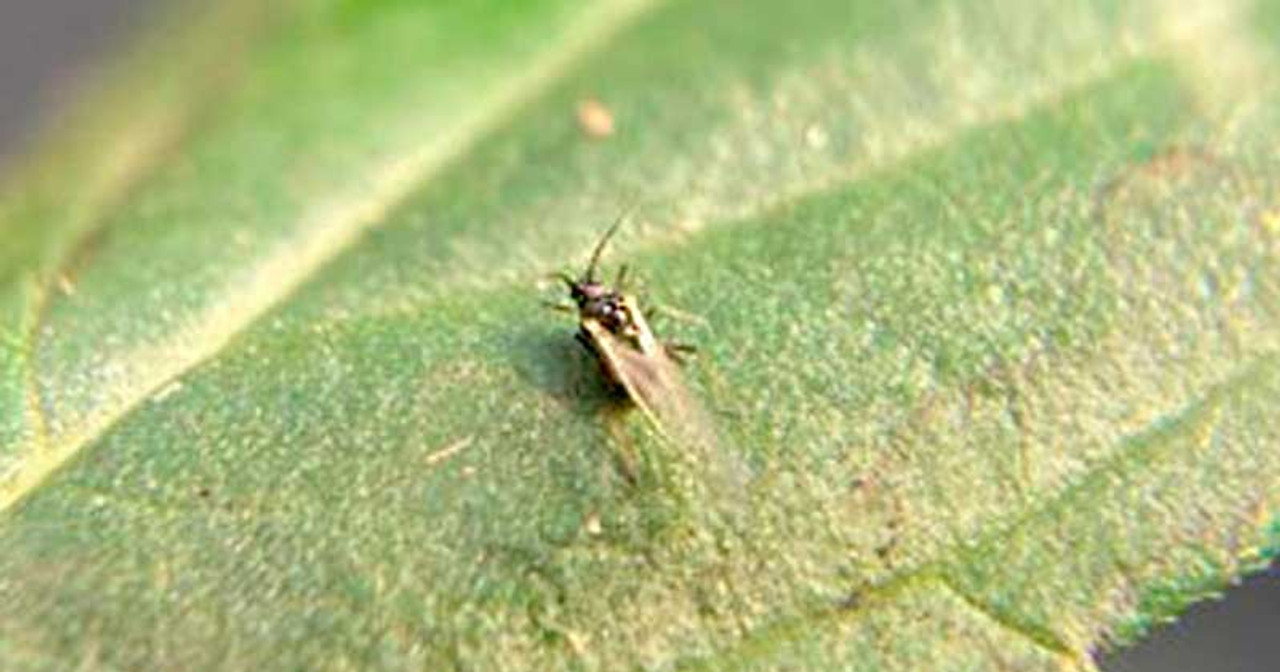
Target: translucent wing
x=654, y=382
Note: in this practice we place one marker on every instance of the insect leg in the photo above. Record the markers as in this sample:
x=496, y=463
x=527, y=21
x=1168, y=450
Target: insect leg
x=585, y=340
x=680, y=352
x=560, y=307
x=663, y=312
x=565, y=277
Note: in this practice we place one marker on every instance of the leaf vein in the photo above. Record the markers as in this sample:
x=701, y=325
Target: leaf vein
x=938, y=569
x=1008, y=622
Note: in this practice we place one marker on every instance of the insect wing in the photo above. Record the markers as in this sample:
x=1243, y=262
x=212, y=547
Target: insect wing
x=650, y=379
x=654, y=382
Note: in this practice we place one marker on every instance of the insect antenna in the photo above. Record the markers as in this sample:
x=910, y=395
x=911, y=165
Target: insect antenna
x=604, y=240
x=566, y=278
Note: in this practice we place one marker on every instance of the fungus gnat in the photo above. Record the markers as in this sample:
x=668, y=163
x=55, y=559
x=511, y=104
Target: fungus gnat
x=614, y=331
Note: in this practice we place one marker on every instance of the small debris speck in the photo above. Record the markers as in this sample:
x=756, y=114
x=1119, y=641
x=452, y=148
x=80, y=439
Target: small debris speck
x=816, y=137
x=448, y=451
x=595, y=120
x=592, y=525
x=164, y=392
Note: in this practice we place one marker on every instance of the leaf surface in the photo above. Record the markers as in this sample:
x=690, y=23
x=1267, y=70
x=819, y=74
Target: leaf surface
x=987, y=298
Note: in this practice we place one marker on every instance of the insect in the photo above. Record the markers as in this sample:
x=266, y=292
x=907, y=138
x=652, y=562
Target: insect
x=613, y=329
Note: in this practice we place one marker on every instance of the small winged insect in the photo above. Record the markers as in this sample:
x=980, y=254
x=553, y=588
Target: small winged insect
x=614, y=330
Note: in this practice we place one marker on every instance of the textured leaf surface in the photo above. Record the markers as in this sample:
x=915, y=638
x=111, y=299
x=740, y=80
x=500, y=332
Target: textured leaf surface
x=987, y=298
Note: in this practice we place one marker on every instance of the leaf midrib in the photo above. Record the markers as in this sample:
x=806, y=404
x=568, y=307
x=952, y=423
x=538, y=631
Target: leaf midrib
x=336, y=229
x=136, y=150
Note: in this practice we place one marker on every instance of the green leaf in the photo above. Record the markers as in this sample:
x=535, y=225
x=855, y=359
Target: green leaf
x=987, y=299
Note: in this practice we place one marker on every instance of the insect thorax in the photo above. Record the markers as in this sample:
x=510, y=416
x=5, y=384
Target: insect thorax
x=613, y=312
